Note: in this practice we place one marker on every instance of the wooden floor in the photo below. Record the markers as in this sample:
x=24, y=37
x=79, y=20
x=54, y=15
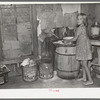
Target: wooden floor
x=16, y=82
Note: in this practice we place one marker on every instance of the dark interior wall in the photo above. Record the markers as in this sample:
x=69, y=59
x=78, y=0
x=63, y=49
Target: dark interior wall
x=97, y=12
x=15, y=30
x=57, y=15
x=89, y=10
x=84, y=8
x=1, y=46
x=47, y=13
x=93, y=12
x=18, y=30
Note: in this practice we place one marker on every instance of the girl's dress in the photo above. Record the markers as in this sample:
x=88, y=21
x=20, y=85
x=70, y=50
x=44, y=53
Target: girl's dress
x=83, y=47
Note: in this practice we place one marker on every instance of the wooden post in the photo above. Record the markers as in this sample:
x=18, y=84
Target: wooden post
x=1, y=42
x=34, y=30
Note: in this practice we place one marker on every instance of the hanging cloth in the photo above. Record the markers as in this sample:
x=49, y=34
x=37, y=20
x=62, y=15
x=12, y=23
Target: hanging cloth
x=70, y=19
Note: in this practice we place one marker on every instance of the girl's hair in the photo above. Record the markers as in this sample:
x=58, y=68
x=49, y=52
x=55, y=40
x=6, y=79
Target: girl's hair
x=84, y=18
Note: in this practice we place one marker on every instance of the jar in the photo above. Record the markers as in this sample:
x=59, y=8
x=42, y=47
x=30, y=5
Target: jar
x=95, y=29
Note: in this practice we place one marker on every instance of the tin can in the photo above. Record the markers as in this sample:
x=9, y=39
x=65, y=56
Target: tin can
x=46, y=69
x=30, y=72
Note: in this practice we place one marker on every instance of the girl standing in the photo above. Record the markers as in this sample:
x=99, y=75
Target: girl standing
x=83, y=48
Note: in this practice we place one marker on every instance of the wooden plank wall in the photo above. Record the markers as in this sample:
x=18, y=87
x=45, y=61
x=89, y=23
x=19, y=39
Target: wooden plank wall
x=25, y=29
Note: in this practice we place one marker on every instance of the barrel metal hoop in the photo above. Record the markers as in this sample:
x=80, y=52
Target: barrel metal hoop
x=67, y=71
x=66, y=54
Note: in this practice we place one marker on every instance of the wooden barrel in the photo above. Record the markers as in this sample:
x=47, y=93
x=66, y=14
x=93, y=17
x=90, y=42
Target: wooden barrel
x=66, y=62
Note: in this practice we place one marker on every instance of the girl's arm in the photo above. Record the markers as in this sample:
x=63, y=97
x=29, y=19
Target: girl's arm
x=73, y=39
x=76, y=36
